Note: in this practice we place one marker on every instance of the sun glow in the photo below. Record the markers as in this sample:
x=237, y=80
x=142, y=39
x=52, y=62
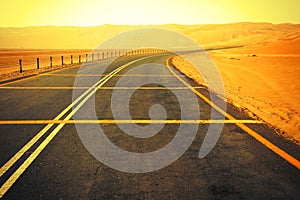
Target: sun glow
x=18, y=13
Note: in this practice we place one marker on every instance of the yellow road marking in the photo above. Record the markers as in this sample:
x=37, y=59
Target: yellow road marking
x=136, y=121
x=17, y=156
x=12, y=179
x=87, y=75
x=80, y=88
x=41, y=88
x=252, y=133
x=130, y=75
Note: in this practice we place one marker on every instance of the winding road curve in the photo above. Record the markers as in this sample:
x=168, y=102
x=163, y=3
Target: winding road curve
x=42, y=156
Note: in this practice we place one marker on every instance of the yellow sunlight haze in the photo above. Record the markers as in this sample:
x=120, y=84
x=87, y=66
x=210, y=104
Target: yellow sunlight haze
x=20, y=13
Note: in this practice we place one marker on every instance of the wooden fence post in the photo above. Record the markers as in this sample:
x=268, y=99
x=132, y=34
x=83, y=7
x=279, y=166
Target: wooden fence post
x=86, y=57
x=51, y=62
x=20, y=62
x=62, y=60
x=79, y=58
x=71, y=59
x=37, y=63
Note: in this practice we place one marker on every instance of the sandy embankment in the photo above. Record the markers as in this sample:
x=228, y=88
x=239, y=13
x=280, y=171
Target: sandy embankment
x=265, y=84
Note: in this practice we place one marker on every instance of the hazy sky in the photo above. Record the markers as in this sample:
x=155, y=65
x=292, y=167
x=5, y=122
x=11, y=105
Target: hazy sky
x=19, y=13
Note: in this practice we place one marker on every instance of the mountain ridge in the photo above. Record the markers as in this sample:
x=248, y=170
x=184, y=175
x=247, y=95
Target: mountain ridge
x=78, y=37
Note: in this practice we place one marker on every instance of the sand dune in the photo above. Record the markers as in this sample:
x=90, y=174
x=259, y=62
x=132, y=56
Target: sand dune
x=51, y=37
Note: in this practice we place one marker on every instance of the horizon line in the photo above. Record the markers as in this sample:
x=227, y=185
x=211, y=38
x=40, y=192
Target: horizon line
x=180, y=24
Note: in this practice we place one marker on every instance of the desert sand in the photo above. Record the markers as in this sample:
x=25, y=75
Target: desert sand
x=263, y=80
x=262, y=77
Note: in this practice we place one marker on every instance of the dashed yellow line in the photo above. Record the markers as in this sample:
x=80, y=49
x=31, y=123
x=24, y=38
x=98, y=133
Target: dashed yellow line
x=292, y=160
x=136, y=121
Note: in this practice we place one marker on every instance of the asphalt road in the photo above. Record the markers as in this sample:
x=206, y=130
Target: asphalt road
x=58, y=165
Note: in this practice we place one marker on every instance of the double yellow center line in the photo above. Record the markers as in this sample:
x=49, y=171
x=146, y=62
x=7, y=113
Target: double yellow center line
x=80, y=101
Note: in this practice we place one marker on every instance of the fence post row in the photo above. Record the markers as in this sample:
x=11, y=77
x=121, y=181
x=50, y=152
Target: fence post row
x=108, y=55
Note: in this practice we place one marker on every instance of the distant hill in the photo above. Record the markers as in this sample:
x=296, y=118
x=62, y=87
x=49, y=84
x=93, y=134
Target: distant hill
x=72, y=37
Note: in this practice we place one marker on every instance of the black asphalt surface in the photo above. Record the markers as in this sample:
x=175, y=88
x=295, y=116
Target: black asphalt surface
x=238, y=167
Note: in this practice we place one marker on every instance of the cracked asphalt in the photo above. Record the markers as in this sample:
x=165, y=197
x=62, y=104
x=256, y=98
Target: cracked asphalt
x=238, y=167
